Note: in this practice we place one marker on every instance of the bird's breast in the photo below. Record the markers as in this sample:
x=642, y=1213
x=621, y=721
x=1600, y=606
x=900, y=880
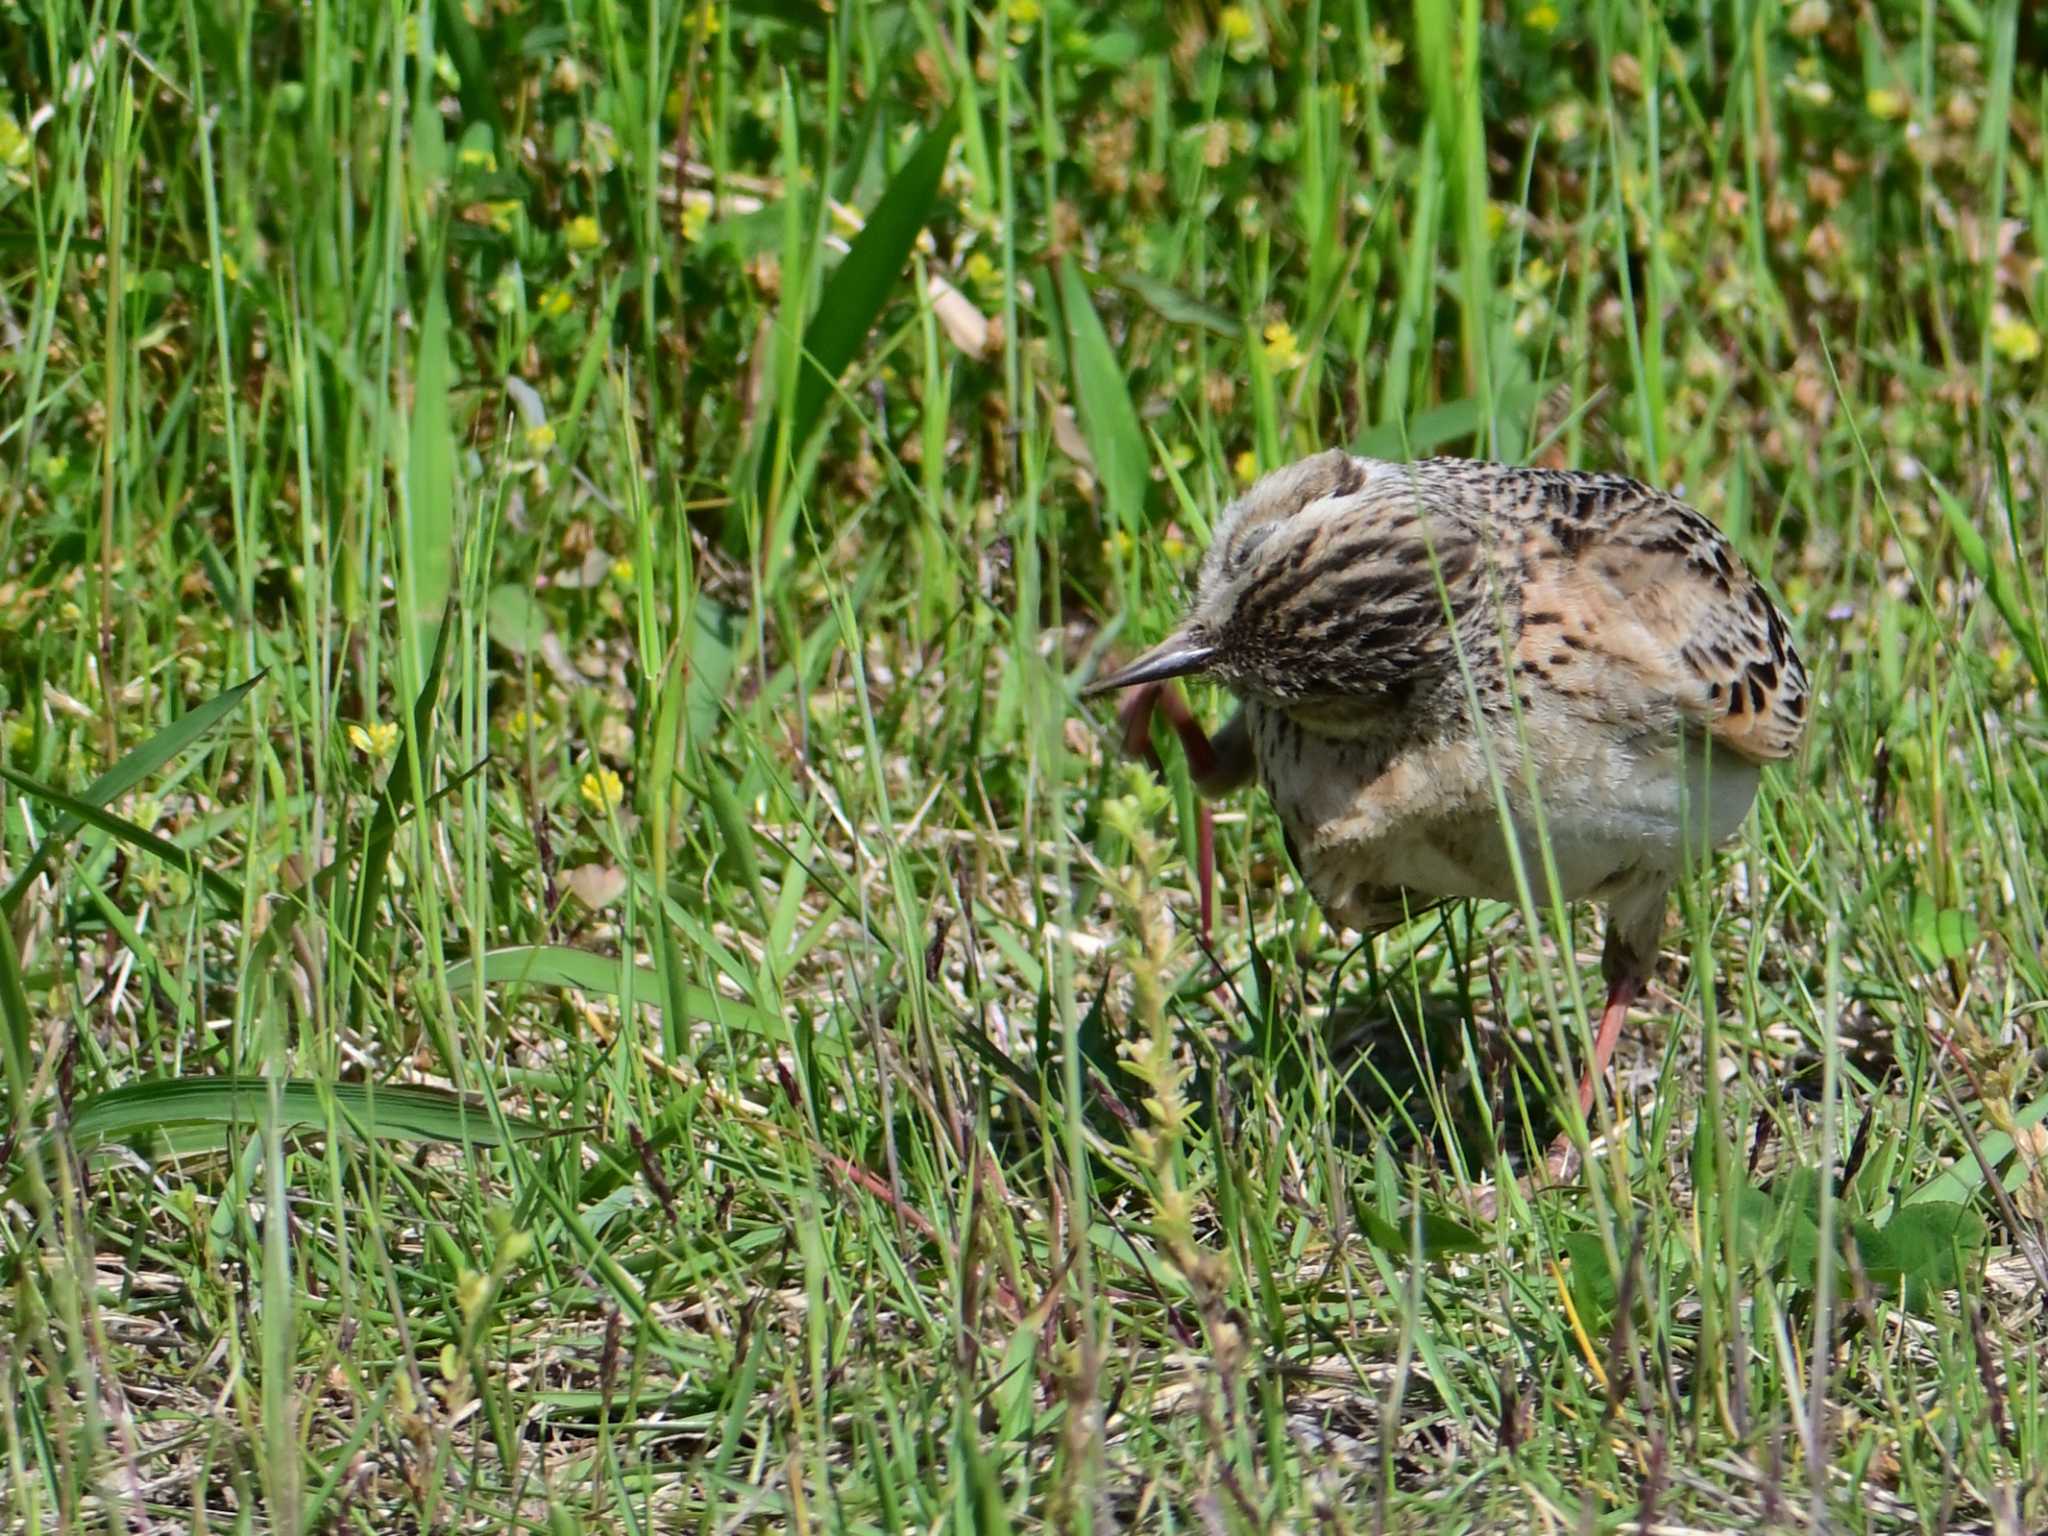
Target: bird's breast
x=1375, y=825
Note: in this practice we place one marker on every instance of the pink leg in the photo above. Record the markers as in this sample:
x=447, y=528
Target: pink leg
x=1620, y=994
x=1135, y=715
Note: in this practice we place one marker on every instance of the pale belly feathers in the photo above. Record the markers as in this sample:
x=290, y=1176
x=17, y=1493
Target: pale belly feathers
x=1377, y=832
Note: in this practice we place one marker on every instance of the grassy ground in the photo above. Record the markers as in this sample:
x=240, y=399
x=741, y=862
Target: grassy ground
x=671, y=745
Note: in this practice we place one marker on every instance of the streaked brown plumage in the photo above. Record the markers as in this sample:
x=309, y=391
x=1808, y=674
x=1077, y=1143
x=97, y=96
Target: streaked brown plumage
x=1403, y=638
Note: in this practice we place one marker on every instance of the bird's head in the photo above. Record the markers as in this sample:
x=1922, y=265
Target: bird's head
x=1284, y=605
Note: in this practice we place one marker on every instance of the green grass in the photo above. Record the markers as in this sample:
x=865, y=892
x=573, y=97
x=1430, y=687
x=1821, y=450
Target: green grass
x=665, y=607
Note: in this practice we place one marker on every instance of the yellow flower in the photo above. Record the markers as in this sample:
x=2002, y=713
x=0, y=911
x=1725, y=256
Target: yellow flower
x=1024, y=13
x=1886, y=103
x=1541, y=17
x=708, y=20
x=2016, y=340
x=1236, y=24
x=981, y=270
x=15, y=145
x=602, y=791
x=622, y=572
x=521, y=722
x=539, y=439
x=476, y=159
x=1282, y=350
x=377, y=740
x=1245, y=466
x=1173, y=546
x=583, y=233
x=555, y=303
x=696, y=215
x=1118, y=546
x=502, y=214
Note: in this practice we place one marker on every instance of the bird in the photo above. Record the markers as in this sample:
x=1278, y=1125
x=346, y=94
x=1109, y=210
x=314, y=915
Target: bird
x=1442, y=666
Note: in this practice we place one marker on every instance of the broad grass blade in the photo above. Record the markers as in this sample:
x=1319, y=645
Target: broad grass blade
x=556, y=965
x=161, y=749
x=862, y=282
x=139, y=838
x=1108, y=419
x=183, y=1114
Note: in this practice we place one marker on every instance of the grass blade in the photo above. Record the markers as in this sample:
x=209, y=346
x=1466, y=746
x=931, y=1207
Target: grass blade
x=1103, y=402
x=557, y=965
x=139, y=764
x=167, y=1111
x=374, y=866
x=139, y=838
x=862, y=282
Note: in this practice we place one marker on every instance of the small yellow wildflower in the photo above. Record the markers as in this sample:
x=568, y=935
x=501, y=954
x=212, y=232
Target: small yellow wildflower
x=15, y=145
x=696, y=217
x=602, y=791
x=583, y=233
x=1118, y=546
x=981, y=269
x=1245, y=466
x=50, y=467
x=521, y=722
x=377, y=740
x=1887, y=104
x=539, y=439
x=476, y=158
x=1236, y=25
x=1541, y=17
x=230, y=268
x=2016, y=340
x=708, y=20
x=1173, y=546
x=555, y=303
x=1283, y=351
x=622, y=572
x=1023, y=13
x=501, y=214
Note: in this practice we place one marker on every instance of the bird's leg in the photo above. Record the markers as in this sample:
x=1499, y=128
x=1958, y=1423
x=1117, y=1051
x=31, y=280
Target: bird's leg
x=1620, y=993
x=1217, y=765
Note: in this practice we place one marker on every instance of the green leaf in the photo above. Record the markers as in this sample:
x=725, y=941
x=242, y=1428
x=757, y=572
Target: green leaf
x=428, y=554
x=373, y=866
x=863, y=281
x=179, y=1115
x=1170, y=304
x=1924, y=1247
x=1962, y=1177
x=1938, y=933
x=1439, y=1234
x=139, y=764
x=1103, y=402
x=514, y=618
x=555, y=965
x=1595, y=1294
x=1998, y=583
x=139, y=838
x=714, y=650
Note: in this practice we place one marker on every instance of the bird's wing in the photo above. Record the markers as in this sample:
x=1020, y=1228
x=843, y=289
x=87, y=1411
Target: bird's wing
x=1630, y=593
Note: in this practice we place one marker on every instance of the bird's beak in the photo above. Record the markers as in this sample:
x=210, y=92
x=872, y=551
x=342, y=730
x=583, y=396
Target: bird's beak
x=1176, y=656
